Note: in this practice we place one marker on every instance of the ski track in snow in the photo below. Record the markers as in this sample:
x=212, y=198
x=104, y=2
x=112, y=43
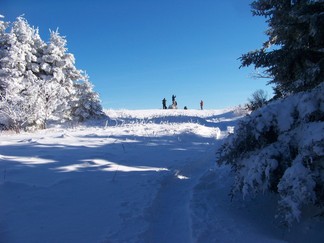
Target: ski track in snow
x=141, y=176
x=170, y=209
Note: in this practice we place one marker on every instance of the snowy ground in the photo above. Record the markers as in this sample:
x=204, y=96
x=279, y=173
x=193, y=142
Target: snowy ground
x=141, y=176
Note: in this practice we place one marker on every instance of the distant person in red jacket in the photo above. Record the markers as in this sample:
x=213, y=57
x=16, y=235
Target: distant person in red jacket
x=201, y=105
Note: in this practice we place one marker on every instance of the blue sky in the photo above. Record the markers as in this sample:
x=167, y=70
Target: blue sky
x=137, y=52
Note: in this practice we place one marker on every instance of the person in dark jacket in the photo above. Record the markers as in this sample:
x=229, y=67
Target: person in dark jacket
x=173, y=99
x=164, y=104
x=201, y=105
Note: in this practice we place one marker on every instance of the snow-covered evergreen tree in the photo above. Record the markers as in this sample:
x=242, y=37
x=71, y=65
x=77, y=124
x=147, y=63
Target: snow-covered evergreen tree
x=19, y=84
x=3, y=52
x=280, y=147
x=7, y=113
x=67, y=91
x=86, y=102
x=39, y=81
x=56, y=87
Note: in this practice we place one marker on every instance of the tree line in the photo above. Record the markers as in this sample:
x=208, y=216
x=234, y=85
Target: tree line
x=39, y=80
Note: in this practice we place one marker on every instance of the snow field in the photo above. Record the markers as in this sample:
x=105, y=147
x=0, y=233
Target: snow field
x=140, y=176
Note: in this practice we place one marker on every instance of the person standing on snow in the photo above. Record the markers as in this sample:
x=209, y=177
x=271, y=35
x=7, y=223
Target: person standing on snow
x=173, y=99
x=164, y=104
x=201, y=105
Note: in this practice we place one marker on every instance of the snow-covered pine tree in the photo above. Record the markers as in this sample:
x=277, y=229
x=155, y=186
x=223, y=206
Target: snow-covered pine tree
x=19, y=84
x=86, y=102
x=59, y=75
x=3, y=51
x=280, y=147
x=32, y=95
x=4, y=119
x=39, y=81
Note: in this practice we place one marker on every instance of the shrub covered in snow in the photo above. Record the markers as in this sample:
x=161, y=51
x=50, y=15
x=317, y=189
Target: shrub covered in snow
x=280, y=148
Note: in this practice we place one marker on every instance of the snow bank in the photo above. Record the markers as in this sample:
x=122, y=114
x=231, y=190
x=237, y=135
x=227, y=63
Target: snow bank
x=281, y=148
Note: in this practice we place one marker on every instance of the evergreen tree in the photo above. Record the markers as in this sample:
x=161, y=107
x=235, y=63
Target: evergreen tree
x=18, y=82
x=293, y=55
x=39, y=81
x=86, y=103
x=7, y=113
x=59, y=74
x=3, y=53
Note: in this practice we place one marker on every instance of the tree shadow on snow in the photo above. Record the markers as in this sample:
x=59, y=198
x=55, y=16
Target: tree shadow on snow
x=127, y=153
